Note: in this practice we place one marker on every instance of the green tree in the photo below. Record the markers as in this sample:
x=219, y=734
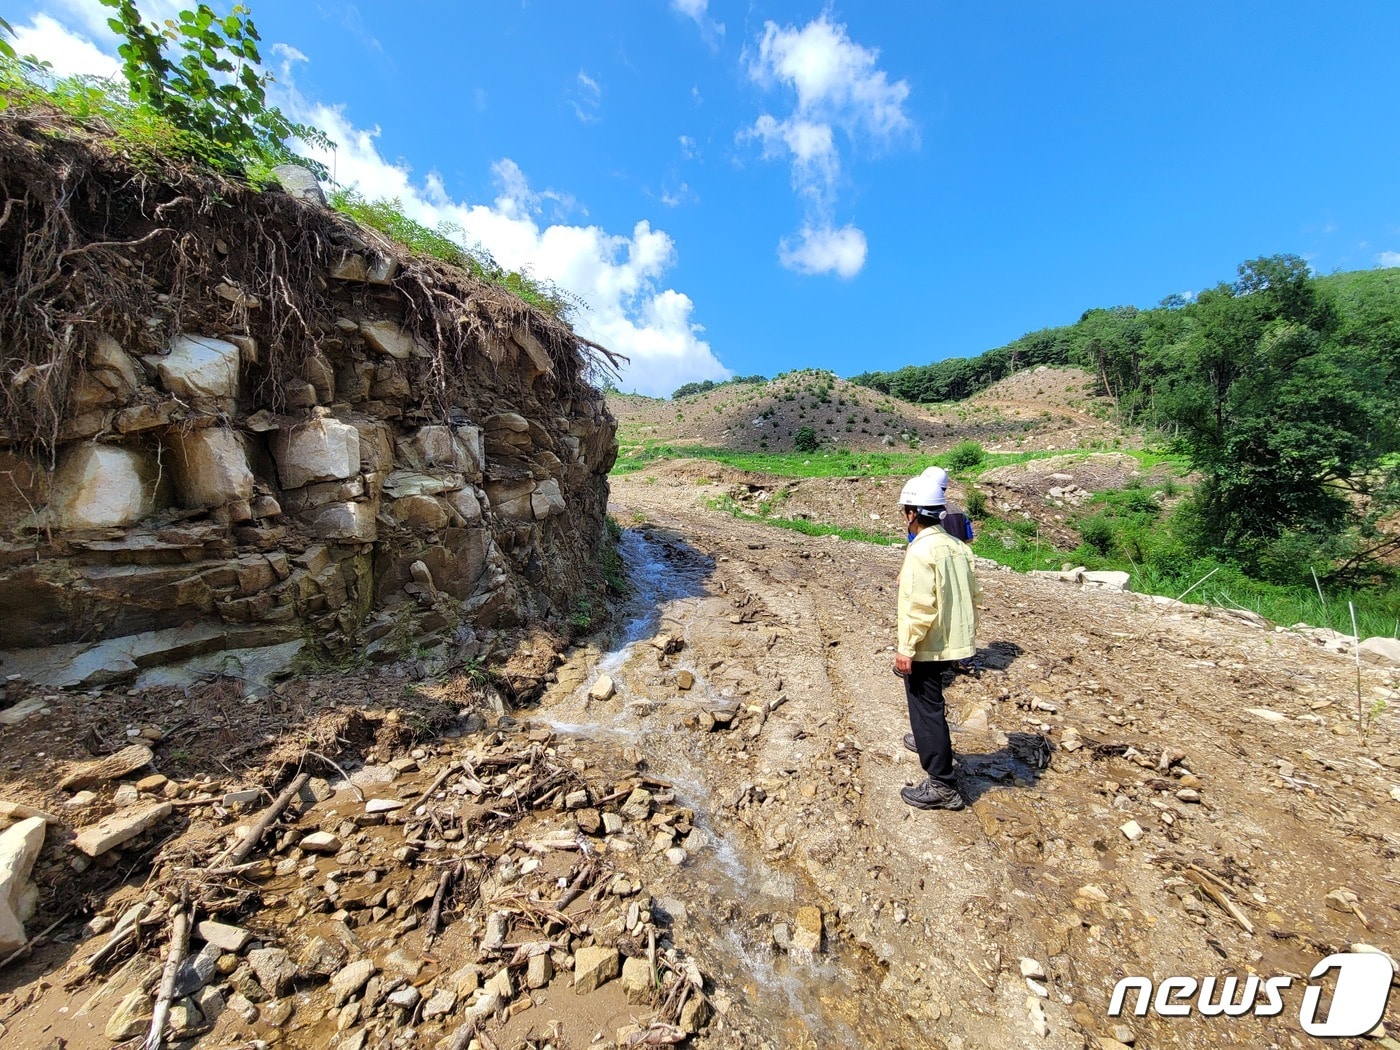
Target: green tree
x=805, y=440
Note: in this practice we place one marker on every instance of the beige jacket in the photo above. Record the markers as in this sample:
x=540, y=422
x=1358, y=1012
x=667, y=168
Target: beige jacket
x=938, y=598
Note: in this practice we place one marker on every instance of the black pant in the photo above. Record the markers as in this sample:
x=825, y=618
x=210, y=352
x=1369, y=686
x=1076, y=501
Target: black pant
x=923, y=688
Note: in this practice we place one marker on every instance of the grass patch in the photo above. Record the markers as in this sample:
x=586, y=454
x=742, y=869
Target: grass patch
x=727, y=505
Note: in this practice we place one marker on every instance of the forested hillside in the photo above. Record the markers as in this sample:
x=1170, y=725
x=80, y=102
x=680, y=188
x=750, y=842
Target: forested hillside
x=1283, y=389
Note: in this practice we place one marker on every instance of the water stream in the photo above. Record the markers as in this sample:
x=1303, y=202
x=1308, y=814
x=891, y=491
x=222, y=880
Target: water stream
x=734, y=897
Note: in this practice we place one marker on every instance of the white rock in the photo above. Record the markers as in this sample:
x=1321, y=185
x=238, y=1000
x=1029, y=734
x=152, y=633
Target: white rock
x=1266, y=714
x=210, y=467
x=19, y=847
x=602, y=689
x=102, y=486
x=1037, y=988
x=1106, y=580
x=1032, y=968
x=321, y=450
x=1381, y=650
x=1132, y=830
x=320, y=842
x=120, y=827
x=198, y=366
x=223, y=936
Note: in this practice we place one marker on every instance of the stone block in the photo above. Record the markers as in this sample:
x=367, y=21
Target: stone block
x=402, y=483
x=298, y=501
x=113, y=367
x=1381, y=650
x=376, y=447
x=465, y=503
x=419, y=512
x=595, y=966
x=389, y=337
x=120, y=827
x=321, y=450
x=512, y=499
x=1106, y=580
x=103, y=486
x=546, y=500
x=343, y=521
x=198, y=366
x=210, y=467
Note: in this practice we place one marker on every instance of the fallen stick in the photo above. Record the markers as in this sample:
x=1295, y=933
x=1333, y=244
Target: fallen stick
x=179, y=944
x=1210, y=890
x=575, y=888
x=353, y=786
x=440, y=780
x=25, y=948
x=435, y=912
x=236, y=855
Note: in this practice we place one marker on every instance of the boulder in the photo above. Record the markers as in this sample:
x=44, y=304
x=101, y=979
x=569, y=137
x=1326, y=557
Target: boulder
x=19, y=847
x=402, y=483
x=103, y=486
x=298, y=181
x=512, y=499
x=198, y=366
x=1106, y=580
x=419, y=512
x=321, y=450
x=210, y=467
x=1381, y=650
x=465, y=503
x=456, y=448
x=389, y=337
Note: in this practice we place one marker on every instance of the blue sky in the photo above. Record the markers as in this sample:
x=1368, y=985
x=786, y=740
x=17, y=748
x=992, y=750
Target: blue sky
x=739, y=188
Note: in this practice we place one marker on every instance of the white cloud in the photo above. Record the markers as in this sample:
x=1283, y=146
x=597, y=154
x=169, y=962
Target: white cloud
x=825, y=250
x=689, y=150
x=1388, y=259
x=697, y=11
x=69, y=53
x=838, y=86
x=587, y=97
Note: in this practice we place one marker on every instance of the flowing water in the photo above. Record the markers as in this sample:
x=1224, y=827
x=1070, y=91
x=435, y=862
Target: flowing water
x=727, y=899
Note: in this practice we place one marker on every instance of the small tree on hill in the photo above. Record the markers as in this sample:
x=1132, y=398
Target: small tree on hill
x=805, y=440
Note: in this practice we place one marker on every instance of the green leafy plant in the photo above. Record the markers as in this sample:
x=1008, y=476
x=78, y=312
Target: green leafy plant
x=215, y=88
x=965, y=455
x=805, y=439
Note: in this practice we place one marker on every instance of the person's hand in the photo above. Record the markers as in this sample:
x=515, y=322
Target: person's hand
x=903, y=664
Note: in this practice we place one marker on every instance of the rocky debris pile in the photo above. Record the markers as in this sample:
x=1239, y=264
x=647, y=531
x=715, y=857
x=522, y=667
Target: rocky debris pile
x=230, y=475
x=431, y=898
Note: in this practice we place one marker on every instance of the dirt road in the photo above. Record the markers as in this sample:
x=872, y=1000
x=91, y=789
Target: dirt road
x=1155, y=791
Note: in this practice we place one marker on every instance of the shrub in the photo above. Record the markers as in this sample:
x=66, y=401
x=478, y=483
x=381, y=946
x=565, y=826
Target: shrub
x=965, y=455
x=805, y=440
x=976, y=503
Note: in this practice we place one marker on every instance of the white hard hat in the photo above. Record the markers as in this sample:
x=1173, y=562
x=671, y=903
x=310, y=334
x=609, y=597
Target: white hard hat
x=929, y=489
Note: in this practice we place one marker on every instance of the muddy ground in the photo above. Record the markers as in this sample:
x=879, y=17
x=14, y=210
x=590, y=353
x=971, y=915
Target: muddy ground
x=1154, y=791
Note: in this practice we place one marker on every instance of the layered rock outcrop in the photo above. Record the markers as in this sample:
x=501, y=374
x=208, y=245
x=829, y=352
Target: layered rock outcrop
x=274, y=426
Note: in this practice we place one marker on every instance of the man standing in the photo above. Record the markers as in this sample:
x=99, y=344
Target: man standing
x=938, y=598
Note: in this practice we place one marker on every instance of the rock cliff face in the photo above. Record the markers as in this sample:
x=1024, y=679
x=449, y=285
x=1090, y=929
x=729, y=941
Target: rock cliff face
x=235, y=420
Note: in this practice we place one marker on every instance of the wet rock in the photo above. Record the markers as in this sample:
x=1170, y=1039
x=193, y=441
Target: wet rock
x=637, y=982
x=131, y=1018
x=685, y=680
x=351, y=980
x=120, y=827
x=321, y=957
x=638, y=805
x=695, y=1015
x=595, y=966
x=602, y=689
x=19, y=847
x=807, y=929
x=274, y=970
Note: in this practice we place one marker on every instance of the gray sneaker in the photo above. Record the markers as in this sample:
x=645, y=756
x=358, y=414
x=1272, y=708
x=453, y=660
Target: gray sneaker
x=909, y=743
x=932, y=795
